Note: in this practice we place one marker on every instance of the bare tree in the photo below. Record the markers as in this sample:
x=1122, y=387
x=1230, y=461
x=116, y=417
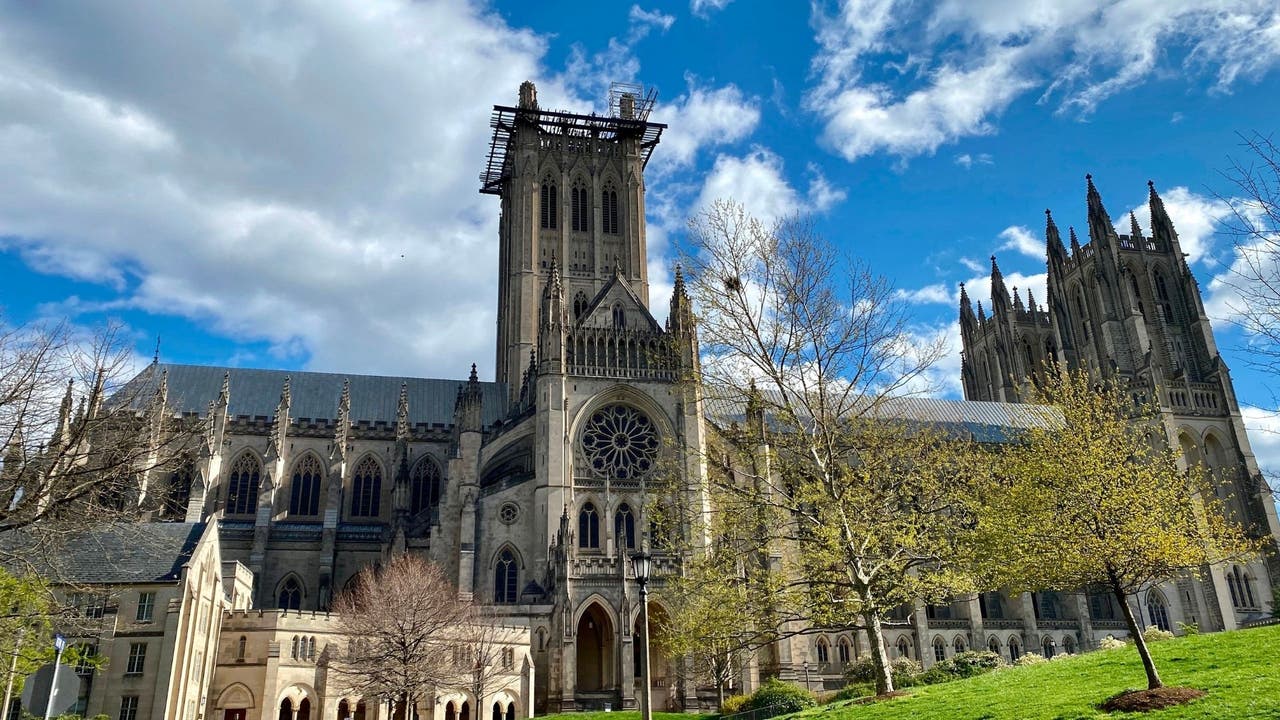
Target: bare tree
x=485, y=657
x=1254, y=226
x=80, y=445
x=404, y=627
x=805, y=353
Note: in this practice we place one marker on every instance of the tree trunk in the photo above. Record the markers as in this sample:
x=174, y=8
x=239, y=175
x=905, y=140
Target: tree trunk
x=879, y=654
x=1153, y=677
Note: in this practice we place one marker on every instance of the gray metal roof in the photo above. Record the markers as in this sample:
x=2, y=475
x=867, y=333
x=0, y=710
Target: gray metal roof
x=984, y=421
x=120, y=554
x=313, y=395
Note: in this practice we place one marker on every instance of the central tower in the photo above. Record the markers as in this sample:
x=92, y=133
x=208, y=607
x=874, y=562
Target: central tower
x=572, y=190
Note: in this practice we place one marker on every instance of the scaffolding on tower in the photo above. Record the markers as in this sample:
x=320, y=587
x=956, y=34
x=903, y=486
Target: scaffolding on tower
x=629, y=108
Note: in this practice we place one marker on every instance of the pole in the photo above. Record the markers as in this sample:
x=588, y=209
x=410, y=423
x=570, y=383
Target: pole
x=646, y=701
x=13, y=671
x=60, y=644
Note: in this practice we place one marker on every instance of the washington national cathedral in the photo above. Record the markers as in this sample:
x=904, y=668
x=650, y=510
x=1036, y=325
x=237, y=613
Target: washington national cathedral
x=530, y=489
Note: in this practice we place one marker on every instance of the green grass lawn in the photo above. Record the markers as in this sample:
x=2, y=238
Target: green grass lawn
x=620, y=715
x=1239, y=670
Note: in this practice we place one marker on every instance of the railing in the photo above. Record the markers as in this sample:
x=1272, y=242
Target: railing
x=1058, y=624
x=1001, y=624
x=1197, y=397
x=1108, y=624
x=594, y=565
x=948, y=623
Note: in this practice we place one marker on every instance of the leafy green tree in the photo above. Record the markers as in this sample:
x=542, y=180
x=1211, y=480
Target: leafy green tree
x=26, y=608
x=1097, y=496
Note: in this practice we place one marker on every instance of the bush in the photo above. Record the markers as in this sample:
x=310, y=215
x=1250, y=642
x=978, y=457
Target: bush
x=903, y=670
x=1030, y=659
x=782, y=697
x=855, y=691
x=969, y=664
x=1189, y=628
x=1111, y=642
x=734, y=704
x=1155, y=634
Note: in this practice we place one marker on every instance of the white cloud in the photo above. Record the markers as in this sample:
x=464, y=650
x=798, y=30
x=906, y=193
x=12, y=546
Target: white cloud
x=1264, y=438
x=1196, y=218
x=652, y=18
x=937, y=294
x=758, y=181
x=703, y=117
x=704, y=8
x=1021, y=239
x=967, y=161
x=995, y=51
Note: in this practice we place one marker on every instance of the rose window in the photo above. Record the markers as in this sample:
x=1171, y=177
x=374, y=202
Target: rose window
x=620, y=443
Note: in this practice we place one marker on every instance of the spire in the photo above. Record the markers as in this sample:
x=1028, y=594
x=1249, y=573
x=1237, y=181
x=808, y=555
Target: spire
x=275, y=446
x=1100, y=227
x=1052, y=240
x=1135, y=232
x=1031, y=301
x=1161, y=226
x=1075, y=243
x=967, y=318
x=402, y=413
x=1017, y=301
x=982, y=316
x=474, y=377
x=342, y=425
x=999, y=295
x=224, y=395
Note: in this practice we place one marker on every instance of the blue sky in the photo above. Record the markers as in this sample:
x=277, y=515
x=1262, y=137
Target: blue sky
x=294, y=185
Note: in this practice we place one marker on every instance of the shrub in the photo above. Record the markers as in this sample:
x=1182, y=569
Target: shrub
x=1155, y=634
x=1030, y=659
x=968, y=664
x=856, y=690
x=782, y=697
x=734, y=704
x=903, y=671
x=1111, y=642
x=1189, y=628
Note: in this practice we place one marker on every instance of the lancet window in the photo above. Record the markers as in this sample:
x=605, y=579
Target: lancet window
x=589, y=527
x=505, y=576
x=547, y=206
x=580, y=205
x=609, y=211
x=366, y=489
x=624, y=527
x=242, y=485
x=424, y=486
x=304, y=493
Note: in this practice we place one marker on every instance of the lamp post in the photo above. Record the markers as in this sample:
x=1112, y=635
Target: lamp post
x=640, y=563
x=806, y=675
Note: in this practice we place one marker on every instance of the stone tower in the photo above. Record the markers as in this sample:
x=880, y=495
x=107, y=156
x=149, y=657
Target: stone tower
x=572, y=190
x=1127, y=306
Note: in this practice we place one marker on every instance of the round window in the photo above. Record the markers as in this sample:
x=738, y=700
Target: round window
x=620, y=443
x=508, y=513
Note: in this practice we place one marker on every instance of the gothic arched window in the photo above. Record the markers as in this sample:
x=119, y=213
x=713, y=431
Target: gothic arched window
x=179, y=492
x=581, y=209
x=242, y=485
x=824, y=651
x=1162, y=297
x=958, y=645
x=424, y=486
x=548, y=205
x=290, y=597
x=1069, y=645
x=304, y=493
x=842, y=650
x=939, y=649
x=609, y=211
x=619, y=317
x=1158, y=609
x=366, y=489
x=579, y=304
x=1015, y=648
x=505, y=575
x=589, y=527
x=1240, y=584
x=904, y=648
x=993, y=644
x=624, y=527
x=1048, y=648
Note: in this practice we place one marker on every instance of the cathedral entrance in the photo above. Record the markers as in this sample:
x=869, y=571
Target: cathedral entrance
x=595, y=651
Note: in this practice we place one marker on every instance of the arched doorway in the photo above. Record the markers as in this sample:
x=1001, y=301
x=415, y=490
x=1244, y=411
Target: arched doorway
x=465, y=713
x=595, y=650
x=286, y=709
x=450, y=713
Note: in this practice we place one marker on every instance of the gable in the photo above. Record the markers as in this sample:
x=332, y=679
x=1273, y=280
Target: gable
x=618, y=297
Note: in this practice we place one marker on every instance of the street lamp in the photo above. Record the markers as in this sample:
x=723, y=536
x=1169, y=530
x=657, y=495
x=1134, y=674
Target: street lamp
x=806, y=674
x=640, y=562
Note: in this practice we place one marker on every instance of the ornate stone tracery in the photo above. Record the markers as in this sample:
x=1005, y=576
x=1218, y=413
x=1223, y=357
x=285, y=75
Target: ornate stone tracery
x=620, y=443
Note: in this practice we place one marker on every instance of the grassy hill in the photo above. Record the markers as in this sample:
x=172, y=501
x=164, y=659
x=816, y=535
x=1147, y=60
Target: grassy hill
x=1239, y=670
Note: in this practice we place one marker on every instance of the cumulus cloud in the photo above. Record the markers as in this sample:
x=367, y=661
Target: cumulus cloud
x=758, y=181
x=1264, y=438
x=967, y=161
x=302, y=175
x=883, y=85
x=1196, y=217
x=1021, y=239
x=703, y=117
x=704, y=8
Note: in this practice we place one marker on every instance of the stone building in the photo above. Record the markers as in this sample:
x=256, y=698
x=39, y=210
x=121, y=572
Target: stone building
x=530, y=490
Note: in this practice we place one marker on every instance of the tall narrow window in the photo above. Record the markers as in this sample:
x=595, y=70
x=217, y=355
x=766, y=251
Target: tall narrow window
x=1015, y=648
x=424, y=486
x=146, y=607
x=624, y=527
x=824, y=651
x=581, y=207
x=242, y=485
x=619, y=317
x=1158, y=609
x=366, y=489
x=137, y=659
x=589, y=527
x=904, y=648
x=579, y=304
x=290, y=595
x=129, y=707
x=179, y=493
x=939, y=650
x=548, y=205
x=240, y=648
x=304, y=493
x=505, y=575
x=842, y=650
x=609, y=211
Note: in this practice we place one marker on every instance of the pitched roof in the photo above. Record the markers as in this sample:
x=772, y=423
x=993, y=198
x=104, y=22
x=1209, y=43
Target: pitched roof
x=119, y=554
x=983, y=421
x=374, y=398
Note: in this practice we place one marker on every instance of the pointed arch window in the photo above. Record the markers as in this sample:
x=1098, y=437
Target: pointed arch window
x=589, y=527
x=824, y=651
x=505, y=576
x=242, y=485
x=1158, y=609
x=579, y=304
x=290, y=597
x=1069, y=645
x=619, y=317
x=993, y=644
x=958, y=645
x=939, y=650
x=1015, y=649
x=304, y=491
x=548, y=205
x=624, y=527
x=1162, y=297
x=904, y=648
x=581, y=209
x=843, y=650
x=179, y=491
x=1240, y=583
x=1048, y=647
x=366, y=489
x=609, y=211
x=424, y=486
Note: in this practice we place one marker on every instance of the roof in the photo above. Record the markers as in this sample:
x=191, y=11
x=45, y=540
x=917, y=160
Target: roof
x=983, y=421
x=374, y=398
x=115, y=555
